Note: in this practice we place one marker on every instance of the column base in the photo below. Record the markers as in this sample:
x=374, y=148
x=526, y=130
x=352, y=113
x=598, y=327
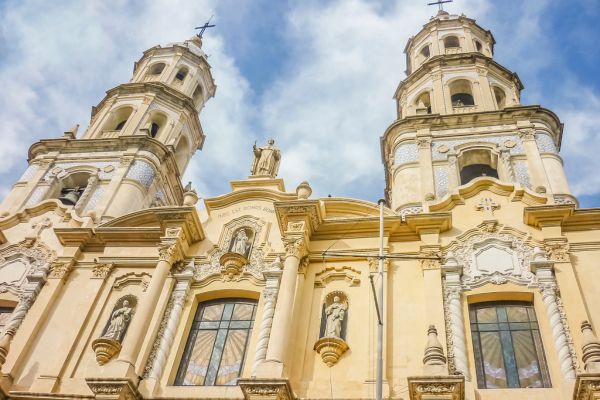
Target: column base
x=266, y=389
x=113, y=389
x=444, y=387
x=269, y=370
x=587, y=387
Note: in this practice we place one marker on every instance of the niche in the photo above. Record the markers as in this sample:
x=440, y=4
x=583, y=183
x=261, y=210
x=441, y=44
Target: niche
x=477, y=163
x=241, y=241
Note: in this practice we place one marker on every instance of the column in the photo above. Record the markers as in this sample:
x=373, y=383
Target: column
x=169, y=252
x=162, y=346
x=537, y=172
x=544, y=272
x=270, y=292
x=295, y=248
x=455, y=320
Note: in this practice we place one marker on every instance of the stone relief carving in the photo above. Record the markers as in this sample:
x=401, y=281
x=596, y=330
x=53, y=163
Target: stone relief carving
x=334, y=273
x=242, y=240
x=142, y=279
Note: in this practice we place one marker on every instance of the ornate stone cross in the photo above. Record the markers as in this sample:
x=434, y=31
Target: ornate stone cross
x=487, y=205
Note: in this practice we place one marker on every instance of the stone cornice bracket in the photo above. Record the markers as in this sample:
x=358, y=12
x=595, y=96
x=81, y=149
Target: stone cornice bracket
x=113, y=389
x=299, y=216
x=548, y=217
x=266, y=389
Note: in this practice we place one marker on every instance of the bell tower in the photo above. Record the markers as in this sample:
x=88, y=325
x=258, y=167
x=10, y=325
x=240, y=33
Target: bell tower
x=137, y=146
x=460, y=121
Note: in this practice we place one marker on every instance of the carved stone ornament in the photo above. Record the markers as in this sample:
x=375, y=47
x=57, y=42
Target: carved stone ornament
x=60, y=270
x=254, y=266
x=113, y=389
x=437, y=387
x=266, y=389
x=331, y=349
x=105, y=349
x=587, y=387
x=169, y=251
x=232, y=265
x=336, y=273
x=101, y=271
x=295, y=246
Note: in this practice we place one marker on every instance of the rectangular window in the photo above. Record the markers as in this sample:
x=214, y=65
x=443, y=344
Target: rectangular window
x=216, y=347
x=508, y=347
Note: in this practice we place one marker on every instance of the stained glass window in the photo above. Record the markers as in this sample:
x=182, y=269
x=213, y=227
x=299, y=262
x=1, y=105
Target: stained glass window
x=5, y=313
x=508, y=347
x=215, y=350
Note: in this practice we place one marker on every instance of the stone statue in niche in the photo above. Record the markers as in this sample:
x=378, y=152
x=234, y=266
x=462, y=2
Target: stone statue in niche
x=109, y=342
x=241, y=242
x=334, y=318
x=335, y=313
x=119, y=321
x=266, y=159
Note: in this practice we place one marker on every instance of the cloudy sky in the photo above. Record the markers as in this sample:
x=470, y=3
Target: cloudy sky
x=318, y=76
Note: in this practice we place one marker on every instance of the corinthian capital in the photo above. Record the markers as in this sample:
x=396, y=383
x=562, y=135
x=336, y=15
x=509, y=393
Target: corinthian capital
x=169, y=251
x=295, y=246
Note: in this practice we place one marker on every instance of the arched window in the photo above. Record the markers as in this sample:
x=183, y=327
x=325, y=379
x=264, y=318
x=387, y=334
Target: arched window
x=478, y=46
x=216, y=347
x=508, y=346
x=181, y=74
x=118, y=118
x=461, y=94
x=500, y=97
x=423, y=104
x=451, y=42
x=156, y=69
x=425, y=52
x=156, y=124
x=477, y=163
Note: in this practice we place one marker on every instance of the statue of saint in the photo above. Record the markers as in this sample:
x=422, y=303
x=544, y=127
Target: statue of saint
x=118, y=322
x=240, y=243
x=335, y=313
x=266, y=159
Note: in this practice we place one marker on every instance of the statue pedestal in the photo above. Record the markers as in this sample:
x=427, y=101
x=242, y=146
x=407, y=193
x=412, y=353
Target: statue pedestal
x=445, y=387
x=105, y=349
x=331, y=349
x=232, y=264
x=266, y=389
x=587, y=387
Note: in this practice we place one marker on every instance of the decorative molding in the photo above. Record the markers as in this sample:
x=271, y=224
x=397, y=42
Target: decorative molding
x=142, y=278
x=113, y=389
x=436, y=387
x=60, y=270
x=331, y=349
x=295, y=246
x=336, y=273
x=266, y=389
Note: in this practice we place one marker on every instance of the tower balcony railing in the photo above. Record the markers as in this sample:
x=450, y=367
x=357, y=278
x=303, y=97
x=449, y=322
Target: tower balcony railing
x=464, y=109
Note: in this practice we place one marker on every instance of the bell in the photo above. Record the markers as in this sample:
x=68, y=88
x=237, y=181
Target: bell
x=70, y=198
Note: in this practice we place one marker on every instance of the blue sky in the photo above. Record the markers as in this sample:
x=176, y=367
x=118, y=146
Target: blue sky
x=318, y=76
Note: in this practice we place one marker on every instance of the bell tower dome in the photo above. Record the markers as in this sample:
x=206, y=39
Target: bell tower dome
x=137, y=146
x=460, y=120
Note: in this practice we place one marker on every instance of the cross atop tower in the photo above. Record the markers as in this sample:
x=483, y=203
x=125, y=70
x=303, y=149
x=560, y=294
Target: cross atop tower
x=440, y=4
x=203, y=27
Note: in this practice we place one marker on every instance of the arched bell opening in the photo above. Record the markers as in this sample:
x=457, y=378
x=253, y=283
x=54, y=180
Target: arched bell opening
x=477, y=163
x=423, y=103
x=500, y=97
x=72, y=187
x=461, y=94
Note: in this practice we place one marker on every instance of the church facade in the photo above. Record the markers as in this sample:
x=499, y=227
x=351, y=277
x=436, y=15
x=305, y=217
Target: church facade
x=115, y=285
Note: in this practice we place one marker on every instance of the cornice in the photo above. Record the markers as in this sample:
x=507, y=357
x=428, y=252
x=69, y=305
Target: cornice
x=547, y=216
x=242, y=195
x=447, y=60
x=430, y=222
x=25, y=214
x=477, y=185
x=582, y=219
x=306, y=211
x=347, y=207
